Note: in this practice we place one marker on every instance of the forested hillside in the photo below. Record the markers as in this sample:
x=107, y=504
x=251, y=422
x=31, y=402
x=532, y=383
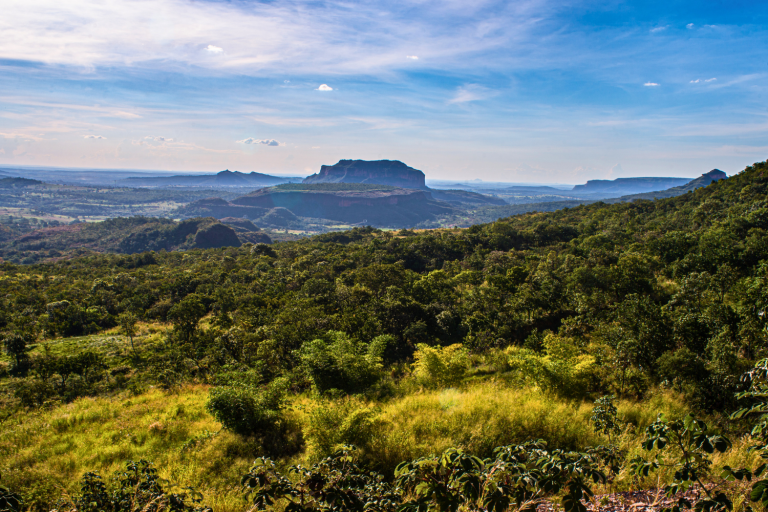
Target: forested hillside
x=342, y=338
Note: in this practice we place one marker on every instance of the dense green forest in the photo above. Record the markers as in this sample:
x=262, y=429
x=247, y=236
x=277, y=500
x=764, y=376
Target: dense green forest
x=303, y=347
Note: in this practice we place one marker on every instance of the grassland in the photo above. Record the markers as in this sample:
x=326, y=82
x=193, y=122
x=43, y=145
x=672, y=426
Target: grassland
x=45, y=452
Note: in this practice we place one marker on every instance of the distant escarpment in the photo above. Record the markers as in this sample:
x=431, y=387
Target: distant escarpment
x=621, y=186
x=702, y=181
x=382, y=172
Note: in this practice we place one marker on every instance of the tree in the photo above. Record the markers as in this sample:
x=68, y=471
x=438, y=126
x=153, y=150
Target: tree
x=16, y=346
x=127, y=323
x=186, y=314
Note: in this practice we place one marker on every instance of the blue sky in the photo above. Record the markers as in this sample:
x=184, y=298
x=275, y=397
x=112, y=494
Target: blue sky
x=536, y=91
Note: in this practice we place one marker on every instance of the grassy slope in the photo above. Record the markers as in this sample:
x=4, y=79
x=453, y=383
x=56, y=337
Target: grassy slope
x=45, y=452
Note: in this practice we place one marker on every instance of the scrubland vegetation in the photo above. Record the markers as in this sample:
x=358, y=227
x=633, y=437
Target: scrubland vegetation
x=439, y=355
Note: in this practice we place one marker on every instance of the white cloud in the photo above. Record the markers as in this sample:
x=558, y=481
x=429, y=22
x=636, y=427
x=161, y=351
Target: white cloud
x=471, y=92
x=710, y=79
x=659, y=29
x=93, y=137
x=689, y=26
x=158, y=138
x=213, y=49
x=324, y=87
x=651, y=84
x=696, y=81
x=412, y=57
x=126, y=115
x=266, y=142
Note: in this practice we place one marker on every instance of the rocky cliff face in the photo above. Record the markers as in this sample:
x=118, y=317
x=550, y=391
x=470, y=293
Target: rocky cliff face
x=381, y=172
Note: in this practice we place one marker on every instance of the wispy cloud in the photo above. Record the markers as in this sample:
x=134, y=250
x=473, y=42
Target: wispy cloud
x=471, y=92
x=659, y=29
x=412, y=57
x=710, y=79
x=265, y=142
x=651, y=84
x=324, y=87
x=126, y=115
x=261, y=37
x=94, y=137
x=158, y=138
x=20, y=136
x=689, y=26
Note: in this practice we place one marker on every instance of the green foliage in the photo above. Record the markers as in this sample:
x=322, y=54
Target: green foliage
x=605, y=417
x=138, y=487
x=440, y=366
x=247, y=410
x=343, y=363
x=686, y=446
x=521, y=476
x=16, y=346
x=561, y=367
x=337, y=483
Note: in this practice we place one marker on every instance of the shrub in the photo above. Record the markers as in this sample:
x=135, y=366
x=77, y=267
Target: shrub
x=562, y=370
x=441, y=366
x=334, y=424
x=246, y=410
x=343, y=363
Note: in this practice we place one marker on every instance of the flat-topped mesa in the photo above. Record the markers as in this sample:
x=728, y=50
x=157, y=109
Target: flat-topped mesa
x=637, y=185
x=381, y=172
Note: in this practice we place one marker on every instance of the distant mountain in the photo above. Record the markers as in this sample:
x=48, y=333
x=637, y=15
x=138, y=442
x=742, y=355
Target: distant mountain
x=702, y=181
x=225, y=178
x=621, y=186
x=382, y=172
x=354, y=203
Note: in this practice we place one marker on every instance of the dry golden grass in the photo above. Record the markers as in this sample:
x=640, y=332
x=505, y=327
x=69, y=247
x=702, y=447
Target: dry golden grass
x=43, y=453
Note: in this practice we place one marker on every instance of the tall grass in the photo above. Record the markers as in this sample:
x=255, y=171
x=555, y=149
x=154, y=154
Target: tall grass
x=45, y=452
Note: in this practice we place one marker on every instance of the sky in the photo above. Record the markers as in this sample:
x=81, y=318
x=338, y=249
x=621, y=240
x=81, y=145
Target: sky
x=517, y=91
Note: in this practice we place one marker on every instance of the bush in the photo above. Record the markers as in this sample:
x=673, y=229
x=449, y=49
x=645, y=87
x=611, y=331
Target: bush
x=246, y=410
x=562, y=369
x=441, y=366
x=343, y=363
x=343, y=422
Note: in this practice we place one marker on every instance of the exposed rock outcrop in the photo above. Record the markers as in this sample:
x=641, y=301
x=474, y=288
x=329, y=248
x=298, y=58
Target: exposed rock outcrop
x=381, y=172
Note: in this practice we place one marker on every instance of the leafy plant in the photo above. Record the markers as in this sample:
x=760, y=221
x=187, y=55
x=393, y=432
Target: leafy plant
x=137, y=487
x=336, y=483
x=686, y=446
x=605, y=417
x=757, y=394
x=521, y=476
